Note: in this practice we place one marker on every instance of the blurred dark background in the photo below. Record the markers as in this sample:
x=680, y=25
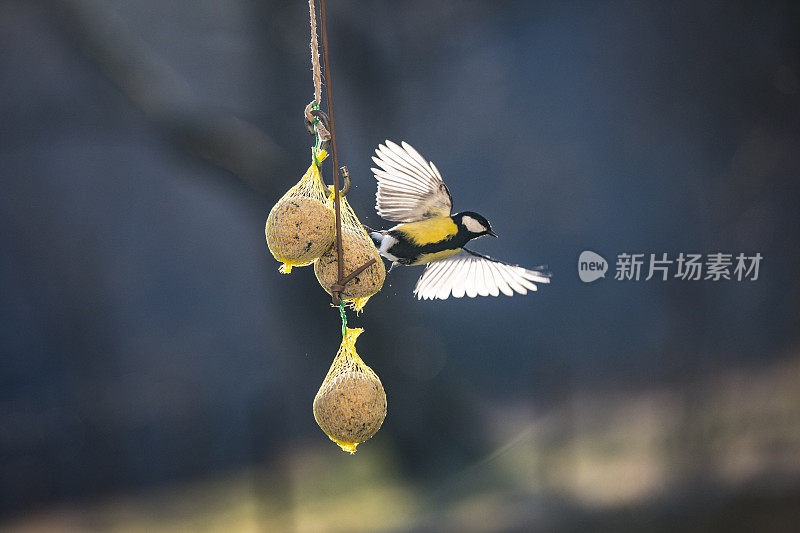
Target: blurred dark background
x=157, y=371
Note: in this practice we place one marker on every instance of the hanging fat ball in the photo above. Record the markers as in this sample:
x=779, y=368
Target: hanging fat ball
x=350, y=406
x=411, y=191
x=358, y=249
x=299, y=230
x=350, y=409
x=301, y=226
x=356, y=252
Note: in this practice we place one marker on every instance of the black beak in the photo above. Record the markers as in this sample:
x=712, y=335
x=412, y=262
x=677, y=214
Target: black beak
x=493, y=234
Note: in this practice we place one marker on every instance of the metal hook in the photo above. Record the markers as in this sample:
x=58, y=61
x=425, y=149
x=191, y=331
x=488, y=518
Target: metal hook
x=320, y=116
x=320, y=119
x=346, y=187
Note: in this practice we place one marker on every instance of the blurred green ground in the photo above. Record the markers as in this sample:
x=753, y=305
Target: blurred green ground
x=605, y=461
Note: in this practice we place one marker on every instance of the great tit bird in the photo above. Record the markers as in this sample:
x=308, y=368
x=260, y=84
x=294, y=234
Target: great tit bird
x=411, y=191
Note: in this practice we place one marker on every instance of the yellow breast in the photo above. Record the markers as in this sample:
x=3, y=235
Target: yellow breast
x=429, y=230
x=436, y=256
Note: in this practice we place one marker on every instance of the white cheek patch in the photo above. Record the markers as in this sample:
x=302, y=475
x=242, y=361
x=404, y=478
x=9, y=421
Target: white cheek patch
x=472, y=225
x=387, y=242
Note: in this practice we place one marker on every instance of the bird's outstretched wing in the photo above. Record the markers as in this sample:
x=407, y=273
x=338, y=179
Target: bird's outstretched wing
x=474, y=274
x=409, y=188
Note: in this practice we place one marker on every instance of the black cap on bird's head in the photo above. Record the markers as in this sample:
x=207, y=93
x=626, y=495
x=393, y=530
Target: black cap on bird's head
x=474, y=224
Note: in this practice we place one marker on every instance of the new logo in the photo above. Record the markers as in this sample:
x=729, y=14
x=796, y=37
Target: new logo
x=591, y=266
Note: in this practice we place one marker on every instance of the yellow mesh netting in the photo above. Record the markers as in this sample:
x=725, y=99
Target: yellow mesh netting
x=302, y=228
x=350, y=406
x=357, y=249
x=301, y=225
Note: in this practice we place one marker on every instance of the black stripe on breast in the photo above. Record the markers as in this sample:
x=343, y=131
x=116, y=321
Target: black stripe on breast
x=407, y=252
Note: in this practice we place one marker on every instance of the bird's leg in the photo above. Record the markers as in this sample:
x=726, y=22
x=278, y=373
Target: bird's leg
x=394, y=264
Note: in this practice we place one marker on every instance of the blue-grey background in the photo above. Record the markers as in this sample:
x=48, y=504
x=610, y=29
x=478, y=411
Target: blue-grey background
x=157, y=372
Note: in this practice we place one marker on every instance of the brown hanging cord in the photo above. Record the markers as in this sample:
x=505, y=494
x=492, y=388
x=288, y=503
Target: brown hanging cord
x=342, y=280
x=315, y=54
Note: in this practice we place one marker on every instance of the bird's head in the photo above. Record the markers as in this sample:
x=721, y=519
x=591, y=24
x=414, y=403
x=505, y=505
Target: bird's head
x=474, y=224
